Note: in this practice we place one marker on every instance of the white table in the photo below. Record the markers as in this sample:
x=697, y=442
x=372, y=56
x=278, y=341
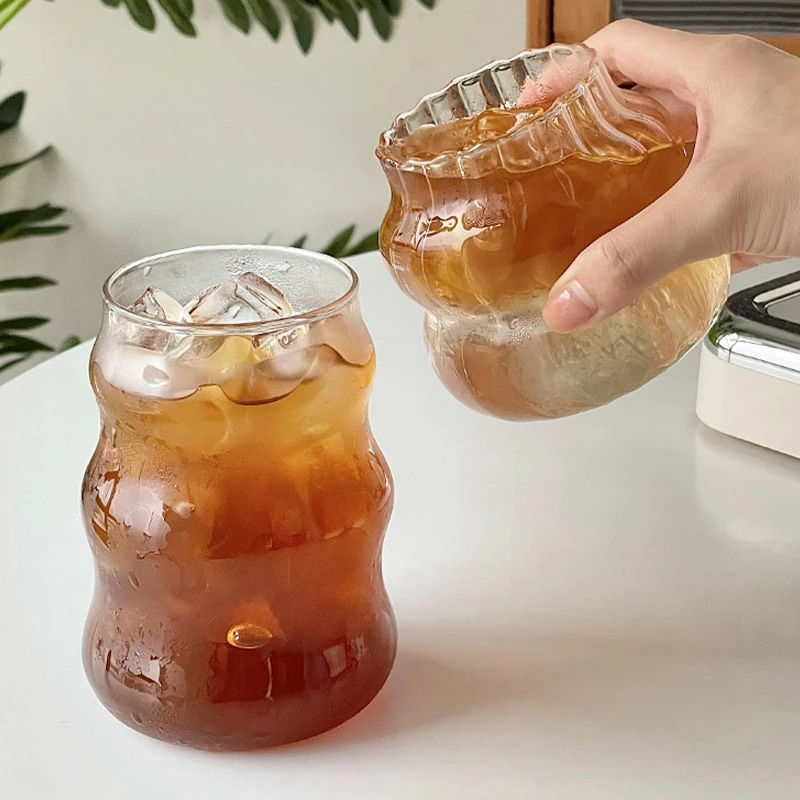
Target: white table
x=603, y=607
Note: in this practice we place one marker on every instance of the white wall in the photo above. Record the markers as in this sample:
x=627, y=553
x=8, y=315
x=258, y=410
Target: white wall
x=165, y=141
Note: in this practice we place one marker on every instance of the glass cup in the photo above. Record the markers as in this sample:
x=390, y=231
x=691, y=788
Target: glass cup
x=497, y=183
x=236, y=503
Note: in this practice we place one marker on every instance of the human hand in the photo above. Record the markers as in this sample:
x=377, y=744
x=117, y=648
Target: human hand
x=741, y=193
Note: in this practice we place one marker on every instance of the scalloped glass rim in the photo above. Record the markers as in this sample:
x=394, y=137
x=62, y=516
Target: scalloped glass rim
x=497, y=92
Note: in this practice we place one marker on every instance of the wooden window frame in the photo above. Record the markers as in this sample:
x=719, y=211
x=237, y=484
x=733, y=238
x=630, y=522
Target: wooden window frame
x=571, y=21
x=540, y=23
x=565, y=21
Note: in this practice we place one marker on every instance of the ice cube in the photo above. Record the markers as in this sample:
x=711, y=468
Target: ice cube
x=148, y=306
x=159, y=305
x=249, y=298
x=145, y=371
x=164, y=363
x=346, y=334
x=266, y=300
x=172, y=308
x=156, y=306
x=217, y=303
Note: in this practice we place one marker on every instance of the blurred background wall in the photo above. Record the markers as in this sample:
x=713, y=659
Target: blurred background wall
x=164, y=141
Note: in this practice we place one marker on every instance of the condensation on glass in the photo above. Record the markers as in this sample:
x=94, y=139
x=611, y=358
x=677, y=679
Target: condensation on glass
x=236, y=502
x=497, y=183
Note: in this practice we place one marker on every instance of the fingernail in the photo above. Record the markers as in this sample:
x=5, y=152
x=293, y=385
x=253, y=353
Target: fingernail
x=572, y=307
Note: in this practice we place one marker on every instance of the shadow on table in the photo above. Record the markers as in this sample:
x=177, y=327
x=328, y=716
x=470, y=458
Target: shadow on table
x=629, y=679
x=426, y=691
x=655, y=680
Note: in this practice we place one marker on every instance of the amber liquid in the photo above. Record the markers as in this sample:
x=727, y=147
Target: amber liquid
x=239, y=600
x=482, y=253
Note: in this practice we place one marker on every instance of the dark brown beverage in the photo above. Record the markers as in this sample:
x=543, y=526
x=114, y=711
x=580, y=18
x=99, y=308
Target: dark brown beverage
x=236, y=508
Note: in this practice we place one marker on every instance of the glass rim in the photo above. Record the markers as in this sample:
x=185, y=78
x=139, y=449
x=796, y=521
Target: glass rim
x=391, y=136
x=232, y=328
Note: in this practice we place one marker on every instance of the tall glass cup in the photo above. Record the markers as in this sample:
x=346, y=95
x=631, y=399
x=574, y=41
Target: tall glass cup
x=236, y=502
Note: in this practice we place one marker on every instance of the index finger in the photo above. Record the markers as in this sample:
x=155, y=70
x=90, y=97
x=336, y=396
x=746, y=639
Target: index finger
x=659, y=58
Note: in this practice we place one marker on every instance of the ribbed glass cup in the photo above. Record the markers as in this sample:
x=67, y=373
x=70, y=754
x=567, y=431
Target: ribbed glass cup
x=497, y=183
x=237, y=501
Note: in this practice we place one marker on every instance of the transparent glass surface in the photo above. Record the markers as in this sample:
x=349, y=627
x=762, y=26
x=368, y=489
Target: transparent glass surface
x=497, y=183
x=236, y=503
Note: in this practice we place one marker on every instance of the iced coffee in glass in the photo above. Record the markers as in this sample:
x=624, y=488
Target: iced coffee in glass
x=236, y=502
x=497, y=183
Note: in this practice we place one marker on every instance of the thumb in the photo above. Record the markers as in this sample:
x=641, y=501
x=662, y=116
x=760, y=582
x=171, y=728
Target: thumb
x=687, y=224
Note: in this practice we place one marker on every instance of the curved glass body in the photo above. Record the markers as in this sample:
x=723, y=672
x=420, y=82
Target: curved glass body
x=498, y=183
x=236, y=503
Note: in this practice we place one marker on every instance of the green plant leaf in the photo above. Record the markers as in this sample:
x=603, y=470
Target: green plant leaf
x=12, y=221
x=236, y=13
x=9, y=9
x=43, y=213
x=141, y=14
x=187, y=7
x=339, y=246
x=368, y=244
x=7, y=169
x=68, y=343
x=394, y=7
x=11, y=110
x=112, y=3
x=14, y=362
x=381, y=20
x=428, y=3
x=302, y=22
x=11, y=343
x=179, y=17
x=32, y=282
x=22, y=323
x=345, y=12
x=40, y=230
x=265, y=13
x=324, y=9
x=339, y=243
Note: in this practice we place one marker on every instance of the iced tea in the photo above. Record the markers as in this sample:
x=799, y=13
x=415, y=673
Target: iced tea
x=236, y=504
x=490, y=207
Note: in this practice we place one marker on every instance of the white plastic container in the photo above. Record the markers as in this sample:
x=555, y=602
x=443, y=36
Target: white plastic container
x=749, y=385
